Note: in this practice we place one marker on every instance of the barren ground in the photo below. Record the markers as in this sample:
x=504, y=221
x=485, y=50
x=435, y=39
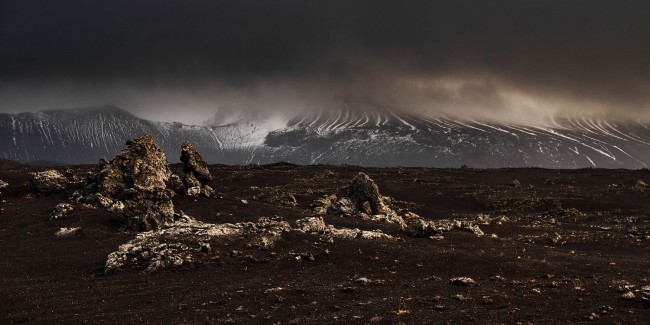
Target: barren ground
x=554, y=266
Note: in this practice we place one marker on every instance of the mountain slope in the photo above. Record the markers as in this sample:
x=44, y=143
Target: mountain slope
x=352, y=137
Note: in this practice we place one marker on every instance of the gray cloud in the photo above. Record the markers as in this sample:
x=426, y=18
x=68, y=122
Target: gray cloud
x=505, y=59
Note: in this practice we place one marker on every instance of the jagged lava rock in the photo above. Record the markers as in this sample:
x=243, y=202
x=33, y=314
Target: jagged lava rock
x=363, y=189
x=194, y=163
x=138, y=177
x=48, y=181
x=197, y=176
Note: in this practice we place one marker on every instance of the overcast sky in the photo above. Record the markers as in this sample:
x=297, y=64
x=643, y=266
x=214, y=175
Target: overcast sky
x=184, y=60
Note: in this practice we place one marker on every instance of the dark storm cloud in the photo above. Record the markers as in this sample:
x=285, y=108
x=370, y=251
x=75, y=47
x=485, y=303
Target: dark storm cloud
x=482, y=56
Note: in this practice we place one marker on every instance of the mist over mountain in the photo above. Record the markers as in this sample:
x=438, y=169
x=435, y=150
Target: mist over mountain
x=367, y=138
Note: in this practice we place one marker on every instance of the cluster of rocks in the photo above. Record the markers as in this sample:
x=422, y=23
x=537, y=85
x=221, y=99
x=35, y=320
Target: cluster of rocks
x=316, y=225
x=49, y=181
x=188, y=242
x=436, y=229
x=361, y=198
x=196, y=176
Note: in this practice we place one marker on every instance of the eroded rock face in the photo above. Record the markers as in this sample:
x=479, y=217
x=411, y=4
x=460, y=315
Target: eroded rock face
x=135, y=182
x=48, y=181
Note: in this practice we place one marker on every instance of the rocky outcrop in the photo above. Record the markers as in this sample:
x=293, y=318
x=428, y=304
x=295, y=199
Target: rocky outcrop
x=359, y=199
x=48, y=181
x=187, y=242
x=135, y=182
x=196, y=175
x=364, y=194
x=316, y=225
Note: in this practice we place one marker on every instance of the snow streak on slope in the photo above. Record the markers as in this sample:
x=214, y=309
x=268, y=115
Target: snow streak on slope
x=371, y=138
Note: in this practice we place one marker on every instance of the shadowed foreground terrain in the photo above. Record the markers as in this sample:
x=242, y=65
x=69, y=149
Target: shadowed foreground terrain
x=567, y=246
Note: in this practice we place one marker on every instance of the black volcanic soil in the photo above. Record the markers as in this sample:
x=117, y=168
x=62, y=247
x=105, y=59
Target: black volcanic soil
x=578, y=278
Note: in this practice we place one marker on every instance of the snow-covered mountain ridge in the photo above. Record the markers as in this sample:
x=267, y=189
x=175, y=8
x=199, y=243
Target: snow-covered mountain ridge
x=346, y=136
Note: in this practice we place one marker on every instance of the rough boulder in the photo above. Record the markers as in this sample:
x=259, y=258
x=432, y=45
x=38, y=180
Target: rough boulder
x=48, y=181
x=3, y=185
x=138, y=178
x=364, y=194
x=196, y=174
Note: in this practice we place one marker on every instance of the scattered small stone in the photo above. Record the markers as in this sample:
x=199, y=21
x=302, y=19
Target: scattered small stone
x=645, y=294
x=3, y=185
x=460, y=297
x=463, y=281
x=535, y=291
x=628, y=296
x=486, y=300
x=311, y=224
x=244, y=201
x=61, y=210
x=641, y=185
x=498, y=278
x=593, y=316
x=516, y=183
x=67, y=232
x=439, y=307
x=553, y=284
x=365, y=281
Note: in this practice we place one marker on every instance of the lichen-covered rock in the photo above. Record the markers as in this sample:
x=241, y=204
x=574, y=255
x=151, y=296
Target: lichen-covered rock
x=147, y=210
x=316, y=225
x=67, y=232
x=98, y=199
x=61, y=210
x=186, y=242
x=3, y=185
x=48, y=181
x=311, y=224
x=138, y=178
x=425, y=228
x=363, y=191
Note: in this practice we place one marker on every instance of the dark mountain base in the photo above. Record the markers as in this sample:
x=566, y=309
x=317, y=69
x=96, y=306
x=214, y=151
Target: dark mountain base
x=575, y=242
